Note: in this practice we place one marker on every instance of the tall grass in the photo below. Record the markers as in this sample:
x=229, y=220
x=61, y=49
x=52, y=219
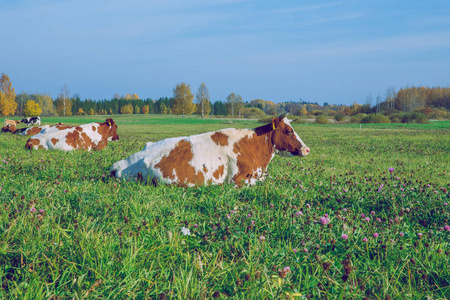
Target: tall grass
x=68, y=231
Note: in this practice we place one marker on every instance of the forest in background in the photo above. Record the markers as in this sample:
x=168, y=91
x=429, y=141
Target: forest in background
x=425, y=102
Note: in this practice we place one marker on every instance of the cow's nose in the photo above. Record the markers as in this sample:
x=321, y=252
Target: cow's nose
x=305, y=151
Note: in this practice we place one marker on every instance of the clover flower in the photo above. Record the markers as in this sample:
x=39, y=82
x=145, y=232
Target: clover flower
x=365, y=240
x=324, y=220
x=185, y=231
x=375, y=235
x=391, y=170
x=344, y=236
x=446, y=227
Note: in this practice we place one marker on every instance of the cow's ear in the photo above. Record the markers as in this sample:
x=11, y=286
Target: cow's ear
x=275, y=123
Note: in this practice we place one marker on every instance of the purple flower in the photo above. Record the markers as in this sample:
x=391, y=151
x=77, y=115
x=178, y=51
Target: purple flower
x=372, y=213
x=367, y=219
x=271, y=205
x=253, y=223
x=365, y=240
x=41, y=211
x=419, y=235
x=375, y=235
x=294, y=250
x=308, y=206
x=391, y=170
x=326, y=215
x=380, y=188
x=33, y=209
x=299, y=213
x=195, y=226
x=262, y=238
x=363, y=216
x=401, y=234
x=344, y=236
x=287, y=269
x=324, y=220
x=305, y=250
x=446, y=227
x=379, y=220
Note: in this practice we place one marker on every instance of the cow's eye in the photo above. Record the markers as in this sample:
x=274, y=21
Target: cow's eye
x=289, y=132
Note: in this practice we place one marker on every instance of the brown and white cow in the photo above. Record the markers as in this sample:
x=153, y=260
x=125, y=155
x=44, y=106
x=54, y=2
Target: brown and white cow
x=37, y=129
x=92, y=136
x=9, y=128
x=238, y=156
x=11, y=122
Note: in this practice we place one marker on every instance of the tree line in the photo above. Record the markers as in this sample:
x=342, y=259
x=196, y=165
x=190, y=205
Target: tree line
x=184, y=102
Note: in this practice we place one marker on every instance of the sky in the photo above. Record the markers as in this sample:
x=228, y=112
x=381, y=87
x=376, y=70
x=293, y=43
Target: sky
x=318, y=51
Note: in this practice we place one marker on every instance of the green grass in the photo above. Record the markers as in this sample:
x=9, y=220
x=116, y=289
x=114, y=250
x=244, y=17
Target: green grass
x=98, y=238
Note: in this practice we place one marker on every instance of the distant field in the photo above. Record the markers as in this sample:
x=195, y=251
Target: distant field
x=68, y=231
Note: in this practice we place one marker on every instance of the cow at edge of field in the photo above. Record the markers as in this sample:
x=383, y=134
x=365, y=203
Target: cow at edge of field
x=92, y=136
x=35, y=130
x=32, y=121
x=238, y=156
x=9, y=128
x=11, y=122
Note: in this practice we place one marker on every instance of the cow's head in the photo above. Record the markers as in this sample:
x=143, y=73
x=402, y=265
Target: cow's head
x=286, y=141
x=112, y=132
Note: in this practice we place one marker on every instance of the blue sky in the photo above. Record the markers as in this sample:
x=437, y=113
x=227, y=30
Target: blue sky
x=319, y=51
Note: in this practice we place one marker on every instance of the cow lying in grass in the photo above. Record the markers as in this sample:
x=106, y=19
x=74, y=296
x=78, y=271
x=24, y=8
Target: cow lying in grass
x=37, y=129
x=9, y=128
x=239, y=156
x=92, y=136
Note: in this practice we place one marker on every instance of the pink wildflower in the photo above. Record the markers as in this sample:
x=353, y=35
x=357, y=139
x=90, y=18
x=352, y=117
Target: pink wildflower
x=446, y=227
x=324, y=220
x=375, y=235
x=365, y=240
x=344, y=236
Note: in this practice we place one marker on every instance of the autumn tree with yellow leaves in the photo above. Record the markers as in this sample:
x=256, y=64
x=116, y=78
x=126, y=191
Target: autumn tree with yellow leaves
x=8, y=103
x=32, y=109
x=145, y=109
x=183, y=98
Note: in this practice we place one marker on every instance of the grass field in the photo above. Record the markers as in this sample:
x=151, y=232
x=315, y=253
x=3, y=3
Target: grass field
x=365, y=215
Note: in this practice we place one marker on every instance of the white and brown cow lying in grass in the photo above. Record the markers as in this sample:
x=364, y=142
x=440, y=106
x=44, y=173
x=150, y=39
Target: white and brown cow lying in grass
x=37, y=129
x=9, y=128
x=238, y=156
x=92, y=136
